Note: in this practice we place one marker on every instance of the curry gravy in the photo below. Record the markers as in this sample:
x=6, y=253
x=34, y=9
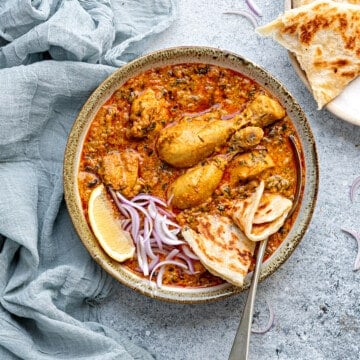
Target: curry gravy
x=186, y=90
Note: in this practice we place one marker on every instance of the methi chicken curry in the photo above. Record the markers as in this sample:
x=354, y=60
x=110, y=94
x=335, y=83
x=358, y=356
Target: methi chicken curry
x=197, y=166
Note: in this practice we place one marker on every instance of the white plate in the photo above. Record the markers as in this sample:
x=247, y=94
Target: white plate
x=346, y=106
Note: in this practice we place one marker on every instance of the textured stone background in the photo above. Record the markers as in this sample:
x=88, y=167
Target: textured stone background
x=315, y=294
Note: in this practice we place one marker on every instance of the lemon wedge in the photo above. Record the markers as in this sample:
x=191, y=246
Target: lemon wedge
x=115, y=241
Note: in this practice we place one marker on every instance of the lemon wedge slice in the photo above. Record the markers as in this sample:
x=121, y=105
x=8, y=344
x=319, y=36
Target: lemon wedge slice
x=115, y=241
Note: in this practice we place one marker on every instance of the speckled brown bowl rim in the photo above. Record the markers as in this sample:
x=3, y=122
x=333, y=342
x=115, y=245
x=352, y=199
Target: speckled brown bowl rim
x=178, y=55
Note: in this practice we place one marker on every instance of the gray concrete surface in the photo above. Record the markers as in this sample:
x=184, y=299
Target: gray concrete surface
x=316, y=293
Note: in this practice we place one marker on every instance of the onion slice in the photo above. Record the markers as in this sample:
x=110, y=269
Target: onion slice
x=246, y=14
x=269, y=324
x=189, y=253
x=155, y=233
x=254, y=7
x=356, y=236
x=353, y=188
x=162, y=265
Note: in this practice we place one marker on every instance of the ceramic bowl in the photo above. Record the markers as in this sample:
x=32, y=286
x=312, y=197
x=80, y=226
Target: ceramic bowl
x=175, y=56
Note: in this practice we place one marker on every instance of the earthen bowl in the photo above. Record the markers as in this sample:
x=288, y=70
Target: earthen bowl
x=176, y=56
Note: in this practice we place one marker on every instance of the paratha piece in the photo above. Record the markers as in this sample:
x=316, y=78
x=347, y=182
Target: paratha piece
x=325, y=37
x=261, y=214
x=221, y=247
x=297, y=3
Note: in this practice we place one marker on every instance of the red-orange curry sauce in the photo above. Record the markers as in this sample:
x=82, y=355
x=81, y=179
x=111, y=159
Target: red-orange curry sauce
x=185, y=90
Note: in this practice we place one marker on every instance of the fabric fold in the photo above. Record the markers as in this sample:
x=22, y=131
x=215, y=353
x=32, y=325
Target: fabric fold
x=52, y=57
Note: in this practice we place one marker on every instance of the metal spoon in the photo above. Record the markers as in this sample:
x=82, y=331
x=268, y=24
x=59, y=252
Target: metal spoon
x=240, y=348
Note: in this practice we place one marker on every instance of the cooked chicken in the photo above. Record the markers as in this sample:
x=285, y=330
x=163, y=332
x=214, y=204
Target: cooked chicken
x=193, y=139
x=246, y=138
x=88, y=179
x=148, y=113
x=120, y=171
x=249, y=165
x=221, y=247
x=262, y=111
x=197, y=184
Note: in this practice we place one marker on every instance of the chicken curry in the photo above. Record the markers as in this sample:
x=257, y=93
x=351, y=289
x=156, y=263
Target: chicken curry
x=184, y=151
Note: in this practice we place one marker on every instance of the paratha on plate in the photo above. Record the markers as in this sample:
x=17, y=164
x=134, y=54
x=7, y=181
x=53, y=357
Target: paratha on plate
x=325, y=37
x=297, y=3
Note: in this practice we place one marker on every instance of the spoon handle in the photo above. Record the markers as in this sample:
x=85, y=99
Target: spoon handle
x=240, y=348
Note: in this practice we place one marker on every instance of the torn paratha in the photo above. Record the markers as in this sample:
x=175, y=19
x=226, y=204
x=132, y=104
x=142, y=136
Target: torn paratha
x=325, y=37
x=297, y=3
x=224, y=246
x=261, y=214
x=221, y=247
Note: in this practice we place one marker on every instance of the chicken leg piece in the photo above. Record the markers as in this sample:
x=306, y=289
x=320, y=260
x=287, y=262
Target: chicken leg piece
x=197, y=184
x=192, y=140
x=262, y=111
x=149, y=113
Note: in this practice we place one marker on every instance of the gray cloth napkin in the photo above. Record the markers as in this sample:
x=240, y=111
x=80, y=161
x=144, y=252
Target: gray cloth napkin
x=53, y=54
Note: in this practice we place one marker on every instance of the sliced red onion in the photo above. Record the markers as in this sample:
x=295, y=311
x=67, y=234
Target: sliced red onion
x=175, y=231
x=168, y=233
x=149, y=198
x=169, y=214
x=147, y=229
x=152, y=210
x=171, y=223
x=162, y=264
x=356, y=236
x=141, y=256
x=189, y=253
x=248, y=15
x=254, y=7
x=161, y=230
x=172, y=254
x=170, y=262
x=354, y=187
x=169, y=200
x=155, y=234
x=188, y=261
x=149, y=250
x=154, y=262
x=158, y=239
x=131, y=203
x=135, y=221
x=159, y=277
x=269, y=324
x=125, y=223
x=118, y=203
x=128, y=227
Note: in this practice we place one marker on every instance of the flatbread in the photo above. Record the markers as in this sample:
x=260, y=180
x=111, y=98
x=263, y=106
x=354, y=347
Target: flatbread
x=225, y=246
x=261, y=214
x=297, y=3
x=325, y=37
x=221, y=247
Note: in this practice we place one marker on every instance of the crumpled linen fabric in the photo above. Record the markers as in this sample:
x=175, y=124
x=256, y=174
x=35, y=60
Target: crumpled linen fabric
x=53, y=54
